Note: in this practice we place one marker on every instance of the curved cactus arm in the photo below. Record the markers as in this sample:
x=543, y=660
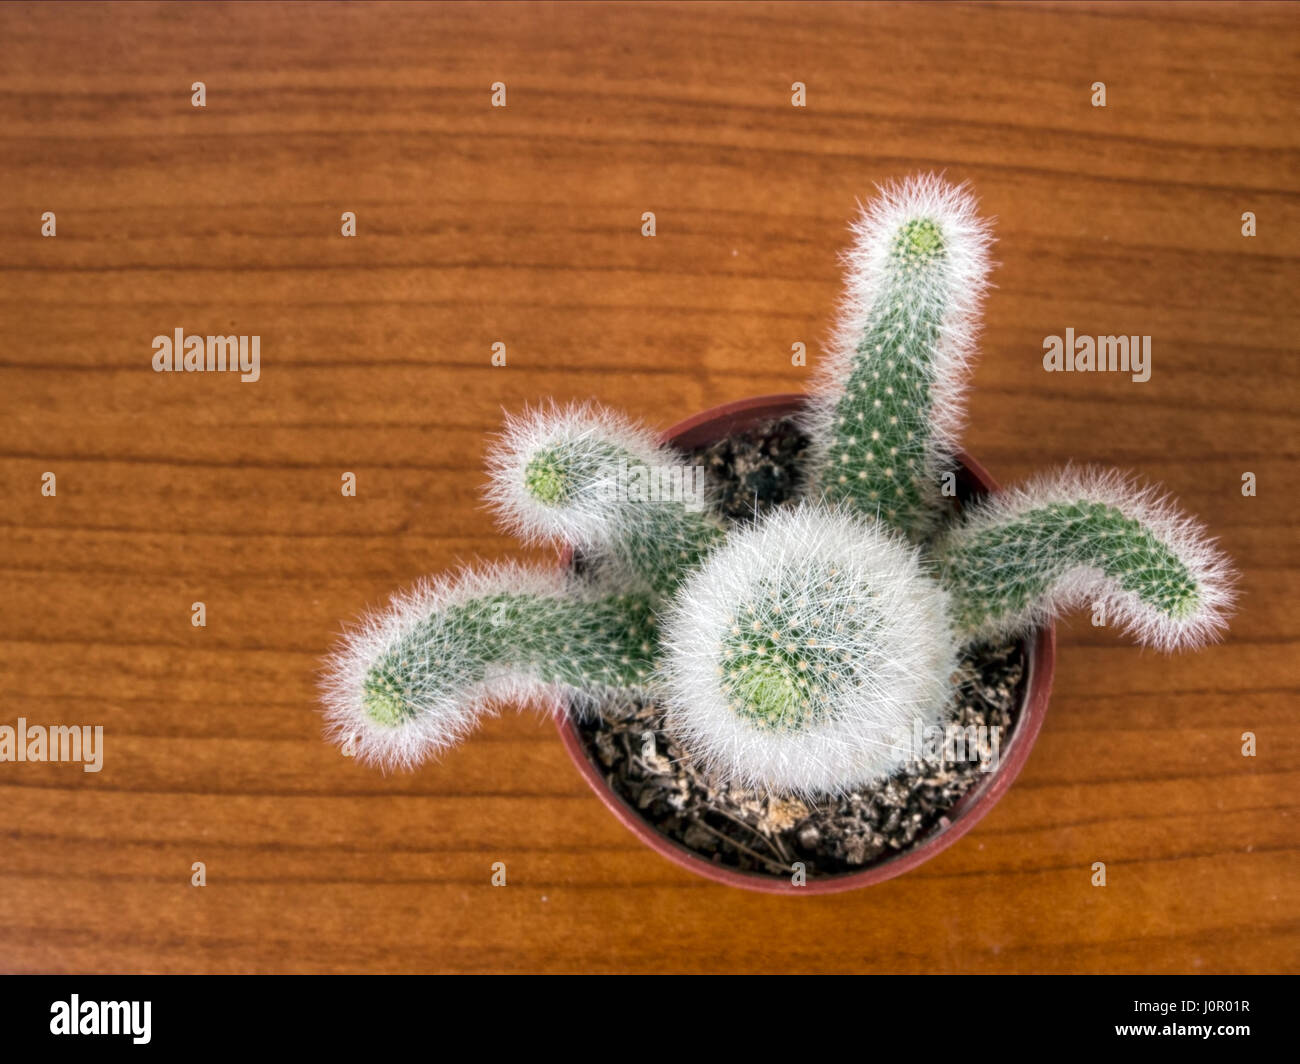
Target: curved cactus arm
x=888, y=404
x=414, y=679
x=586, y=476
x=805, y=652
x=1019, y=558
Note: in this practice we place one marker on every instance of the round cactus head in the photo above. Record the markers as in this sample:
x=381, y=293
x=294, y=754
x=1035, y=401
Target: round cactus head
x=803, y=654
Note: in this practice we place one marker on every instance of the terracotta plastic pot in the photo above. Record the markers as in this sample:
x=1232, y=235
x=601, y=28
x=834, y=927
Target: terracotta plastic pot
x=731, y=419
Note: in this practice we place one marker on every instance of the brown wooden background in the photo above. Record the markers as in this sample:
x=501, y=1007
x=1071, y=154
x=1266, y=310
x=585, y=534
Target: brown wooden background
x=522, y=225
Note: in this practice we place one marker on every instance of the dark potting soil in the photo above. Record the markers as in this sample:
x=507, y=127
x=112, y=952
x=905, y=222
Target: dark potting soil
x=754, y=832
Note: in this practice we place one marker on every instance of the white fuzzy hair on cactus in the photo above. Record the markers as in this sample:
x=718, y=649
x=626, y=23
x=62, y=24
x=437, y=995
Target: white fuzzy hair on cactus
x=446, y=695
x=1078, y=580
x=587, y=477
x=529, y=464
x=944, y=284
x=865, y=645
x=959, y=288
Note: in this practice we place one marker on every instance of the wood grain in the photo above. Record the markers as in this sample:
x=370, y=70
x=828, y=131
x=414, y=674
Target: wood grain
x=522, y=225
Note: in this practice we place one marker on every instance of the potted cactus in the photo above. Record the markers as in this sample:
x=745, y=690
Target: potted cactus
x=793, y=656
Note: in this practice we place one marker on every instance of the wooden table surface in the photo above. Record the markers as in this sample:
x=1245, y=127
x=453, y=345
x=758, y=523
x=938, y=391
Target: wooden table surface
x=522, y=225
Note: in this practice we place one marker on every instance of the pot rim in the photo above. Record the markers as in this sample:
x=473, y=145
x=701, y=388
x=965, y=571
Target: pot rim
x=715, y=424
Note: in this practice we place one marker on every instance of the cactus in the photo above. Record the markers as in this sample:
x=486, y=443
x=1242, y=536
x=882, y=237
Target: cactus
x=803, y=653
x=800, y=653
x=887, y=407
x=414, y=679
x=585, y=476
x=1018, y=559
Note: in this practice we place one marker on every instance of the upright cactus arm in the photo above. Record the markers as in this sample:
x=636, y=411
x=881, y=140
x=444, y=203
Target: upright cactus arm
x=1020, y=558
x=586, y=476
x=888, y=404
x=414, y=679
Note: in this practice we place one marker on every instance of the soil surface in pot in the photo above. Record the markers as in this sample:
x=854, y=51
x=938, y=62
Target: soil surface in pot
x=757, y=833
